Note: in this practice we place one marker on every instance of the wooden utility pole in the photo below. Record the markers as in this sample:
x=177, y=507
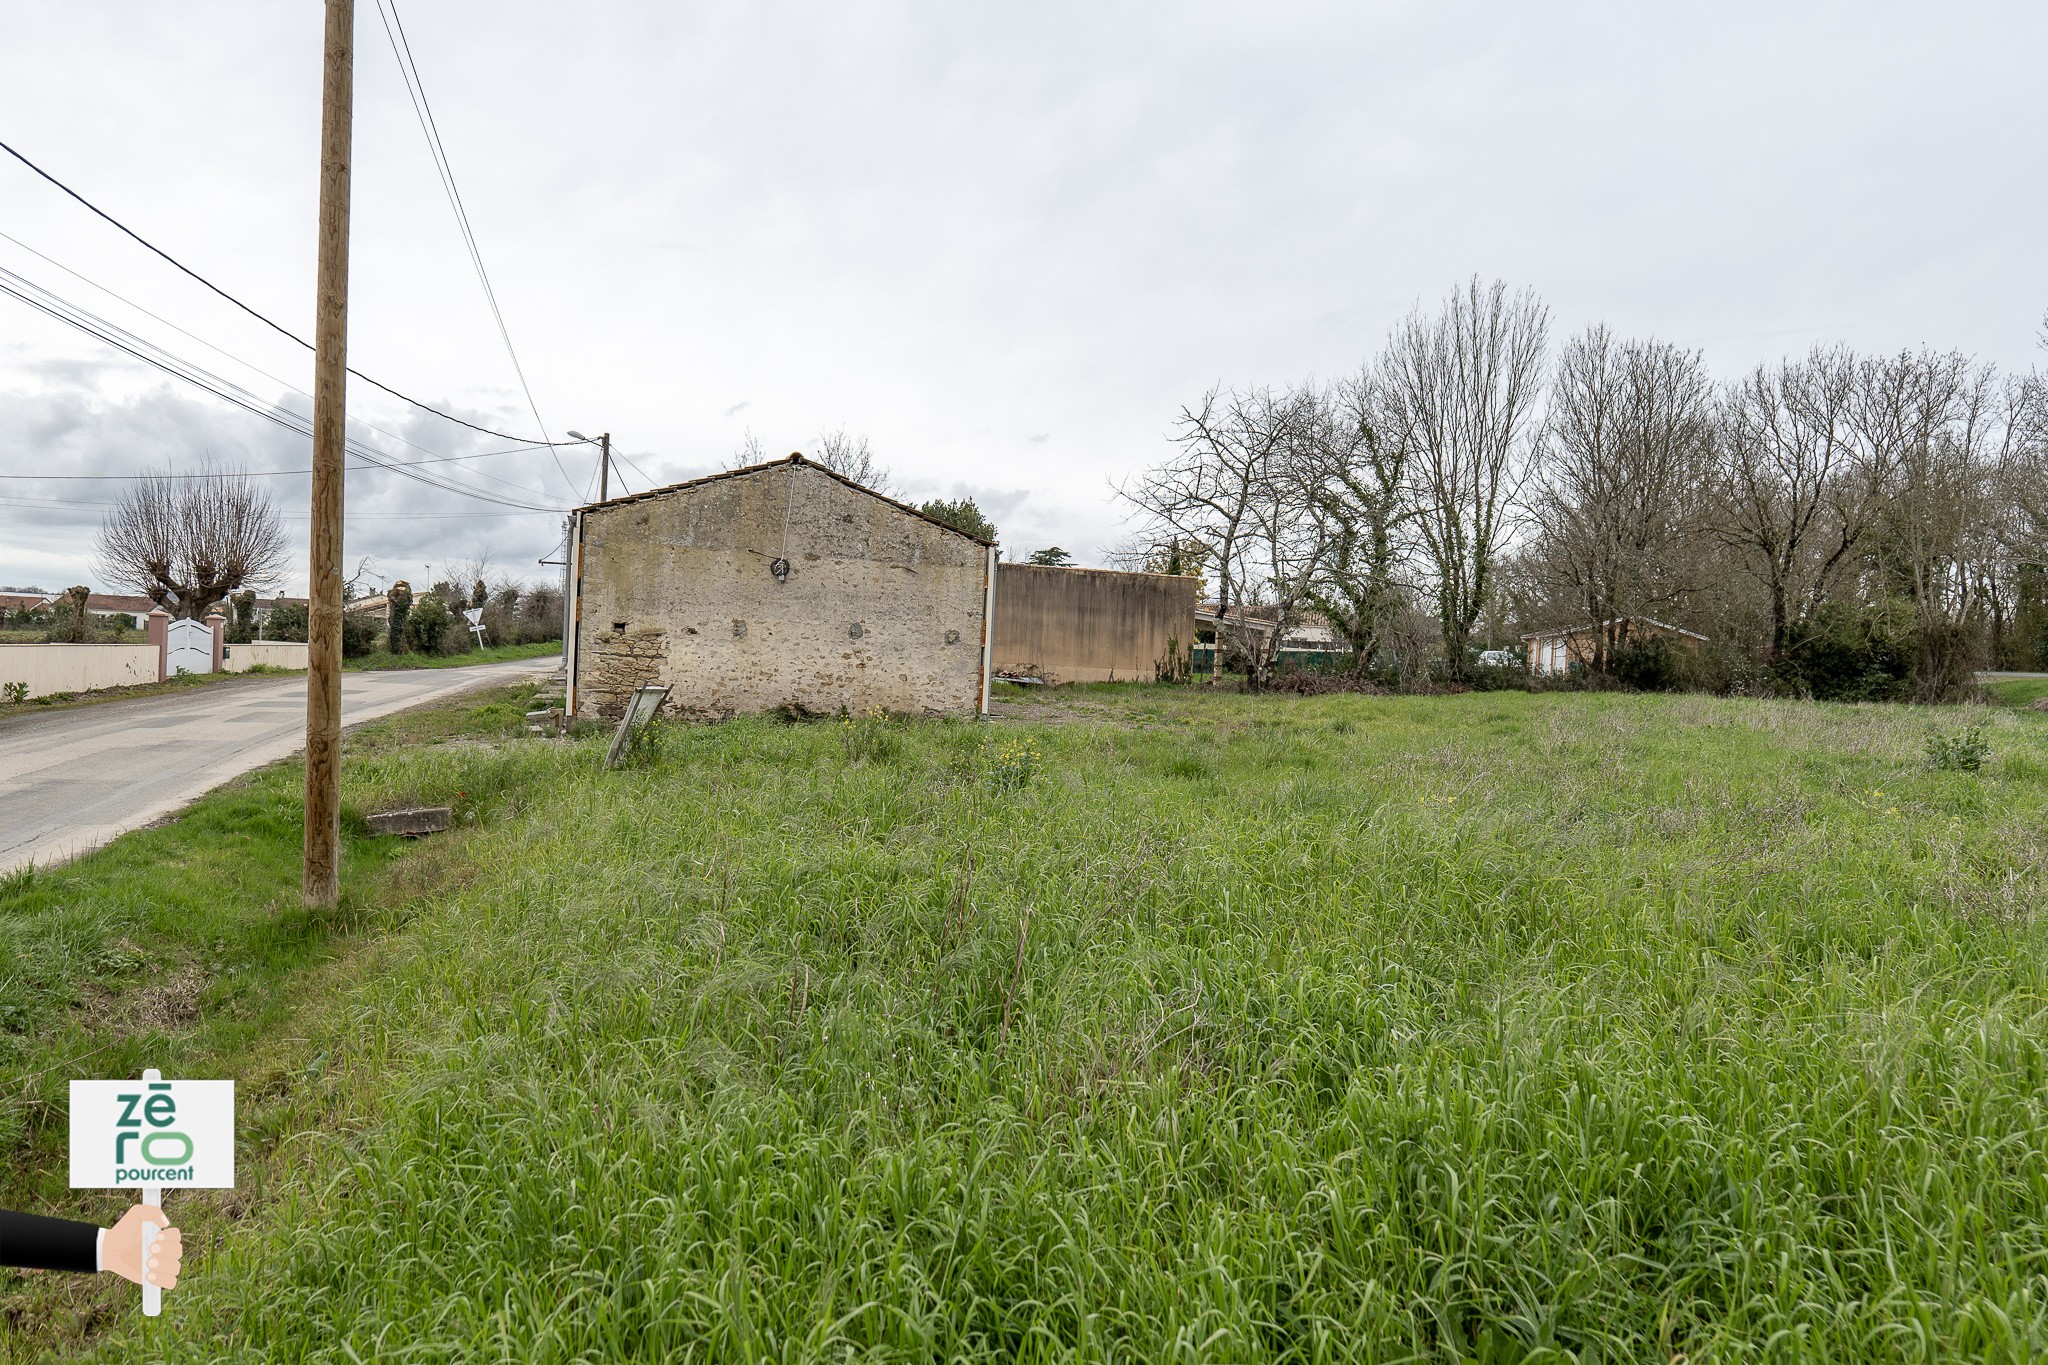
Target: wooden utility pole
x=604, y=470
x=322, y=878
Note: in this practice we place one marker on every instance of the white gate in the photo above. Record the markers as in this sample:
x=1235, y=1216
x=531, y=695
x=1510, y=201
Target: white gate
x=188, y=648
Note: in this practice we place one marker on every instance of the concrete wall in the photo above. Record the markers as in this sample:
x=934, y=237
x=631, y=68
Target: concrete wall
x=881, y=610
x=76, y=668
x=271, y=653
x=1090, y=625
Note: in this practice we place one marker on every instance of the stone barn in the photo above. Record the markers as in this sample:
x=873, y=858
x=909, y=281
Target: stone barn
x=1065, y=624
x=778, y=585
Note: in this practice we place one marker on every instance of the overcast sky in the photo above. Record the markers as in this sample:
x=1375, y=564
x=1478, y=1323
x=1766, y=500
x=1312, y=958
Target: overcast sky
x=1004, y=242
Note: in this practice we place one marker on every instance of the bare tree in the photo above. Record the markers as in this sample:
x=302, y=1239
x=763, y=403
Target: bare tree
x=750, y=451
x=850, y=458
x=1461, y=388
x=1928, y=423
x=187, y=541
x=1230, y=495
x=1627, y=459
x=1796, y=492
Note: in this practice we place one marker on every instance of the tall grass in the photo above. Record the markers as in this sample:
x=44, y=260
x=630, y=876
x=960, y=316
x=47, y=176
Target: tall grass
x=1493, y=1027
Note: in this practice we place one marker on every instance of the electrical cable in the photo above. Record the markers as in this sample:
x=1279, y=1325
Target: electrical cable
x=112, y=334
x=13, y=500
x=423, y=110
x=277, y=327
x=638, y=470
x=255, y=369
x=83, y=319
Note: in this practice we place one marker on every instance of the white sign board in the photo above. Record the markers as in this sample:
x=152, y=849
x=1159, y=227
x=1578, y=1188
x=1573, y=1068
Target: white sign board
x=156, y=1134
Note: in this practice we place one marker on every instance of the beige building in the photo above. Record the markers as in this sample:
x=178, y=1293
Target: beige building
x=1554, y=652
x=778, y=585
x=1091, y=625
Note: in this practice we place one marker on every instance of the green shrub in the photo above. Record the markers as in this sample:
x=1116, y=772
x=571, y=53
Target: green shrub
x=15, y=692
x=359, y=632
x=287, y=622
x=427, y=626
x=1014, y=763
x=1961, y=752
x=870, y=739
x=1856, y=654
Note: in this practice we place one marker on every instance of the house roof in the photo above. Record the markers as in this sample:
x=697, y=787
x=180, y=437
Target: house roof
x=106, y=601
x=748, y=471
x=1646, y=620
x=22, y=601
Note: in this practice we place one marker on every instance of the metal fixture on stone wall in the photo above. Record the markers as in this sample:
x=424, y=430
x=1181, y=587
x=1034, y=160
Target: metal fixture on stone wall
x=780, y=568
x=739, y=629
x=856, y=630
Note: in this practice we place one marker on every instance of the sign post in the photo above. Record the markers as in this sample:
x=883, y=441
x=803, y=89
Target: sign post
x=151, y=1135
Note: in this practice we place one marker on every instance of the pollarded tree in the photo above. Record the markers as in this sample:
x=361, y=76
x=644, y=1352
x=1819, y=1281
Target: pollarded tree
x=187, y=541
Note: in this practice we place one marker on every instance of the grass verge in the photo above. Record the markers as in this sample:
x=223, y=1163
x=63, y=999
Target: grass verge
x=184, y=947
x=383, y=659
x=1489, y=1027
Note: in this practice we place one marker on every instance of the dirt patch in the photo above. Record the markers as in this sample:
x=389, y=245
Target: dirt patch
x=1055, y=713
x=161, y=1007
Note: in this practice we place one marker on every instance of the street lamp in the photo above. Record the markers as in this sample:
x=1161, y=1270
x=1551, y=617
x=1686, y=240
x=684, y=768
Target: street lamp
x=604, y=469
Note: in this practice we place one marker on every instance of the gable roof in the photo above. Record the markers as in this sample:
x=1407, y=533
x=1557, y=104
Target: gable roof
x=749, y=471
x=107, y=601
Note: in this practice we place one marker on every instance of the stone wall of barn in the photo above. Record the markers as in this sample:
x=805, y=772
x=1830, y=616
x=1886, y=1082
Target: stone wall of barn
x=781, y=587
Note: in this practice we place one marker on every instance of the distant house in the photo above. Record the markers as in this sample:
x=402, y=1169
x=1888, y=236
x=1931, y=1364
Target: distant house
x=378, y=606
x=12, y=602
x=133, y=611
x=1555, y=652
x=1309, y=630
x=266, y=606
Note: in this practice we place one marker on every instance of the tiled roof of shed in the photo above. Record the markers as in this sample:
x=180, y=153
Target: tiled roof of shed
x=752, y=469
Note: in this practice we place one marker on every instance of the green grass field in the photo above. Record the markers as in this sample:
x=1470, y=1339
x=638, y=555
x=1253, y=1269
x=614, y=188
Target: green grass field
x=2018, y=691
x=1139, y=1025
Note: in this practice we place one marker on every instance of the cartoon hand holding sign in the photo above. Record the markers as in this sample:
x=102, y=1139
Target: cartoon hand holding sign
x=145, y=1135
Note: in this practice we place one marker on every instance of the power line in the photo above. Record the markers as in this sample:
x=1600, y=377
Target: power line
x=635, y=468
x=277, y=327
x=256, y=369
x=149, y=353
x=423, y=110
x=256, y=473
x=14, y=499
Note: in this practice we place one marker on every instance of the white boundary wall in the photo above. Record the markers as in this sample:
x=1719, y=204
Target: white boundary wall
x=76, y=668
x=275, y=653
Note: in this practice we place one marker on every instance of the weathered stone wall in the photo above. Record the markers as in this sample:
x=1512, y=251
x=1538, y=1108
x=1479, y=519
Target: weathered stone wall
x=1090, y=625
x=879, y=610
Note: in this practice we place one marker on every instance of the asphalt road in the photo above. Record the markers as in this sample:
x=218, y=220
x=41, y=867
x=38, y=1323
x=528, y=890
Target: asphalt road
x=70, y=780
